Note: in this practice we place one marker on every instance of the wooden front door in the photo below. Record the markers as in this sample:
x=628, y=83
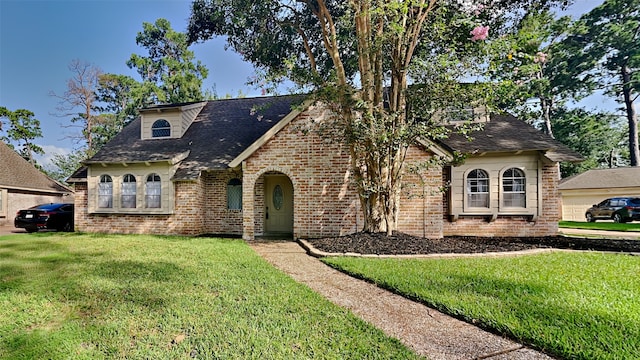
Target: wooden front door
x=278, y=193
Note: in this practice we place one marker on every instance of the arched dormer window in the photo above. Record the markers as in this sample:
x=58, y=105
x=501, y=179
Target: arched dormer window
x=161, y=128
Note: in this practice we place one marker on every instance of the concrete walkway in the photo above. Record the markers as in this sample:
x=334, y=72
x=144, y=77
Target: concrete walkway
x=427, y=331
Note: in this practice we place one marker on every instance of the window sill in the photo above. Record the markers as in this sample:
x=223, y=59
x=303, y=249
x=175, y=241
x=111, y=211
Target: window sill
x=492, y=216
x=131, y=212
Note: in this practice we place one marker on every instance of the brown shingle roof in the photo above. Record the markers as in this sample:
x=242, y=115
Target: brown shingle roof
x=222, y=130
x=18, y=173
x=603, y=179
x=505, y=133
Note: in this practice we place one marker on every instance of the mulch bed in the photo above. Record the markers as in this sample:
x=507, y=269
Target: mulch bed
x=403, y=244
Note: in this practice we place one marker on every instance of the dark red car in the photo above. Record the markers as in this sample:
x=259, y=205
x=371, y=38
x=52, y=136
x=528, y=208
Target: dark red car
x=57, y=216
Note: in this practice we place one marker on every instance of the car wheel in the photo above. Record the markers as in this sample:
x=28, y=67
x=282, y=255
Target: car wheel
x=66, y=227
x=590, y=218
x=618, y=218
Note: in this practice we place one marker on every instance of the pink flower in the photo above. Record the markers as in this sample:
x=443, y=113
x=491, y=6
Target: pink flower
x=479, y=33
x=540, y=57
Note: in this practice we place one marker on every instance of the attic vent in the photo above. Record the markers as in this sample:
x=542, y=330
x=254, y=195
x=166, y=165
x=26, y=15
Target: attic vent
x=161, y=128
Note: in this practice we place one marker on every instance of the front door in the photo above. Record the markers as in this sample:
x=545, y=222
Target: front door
x=278, y=192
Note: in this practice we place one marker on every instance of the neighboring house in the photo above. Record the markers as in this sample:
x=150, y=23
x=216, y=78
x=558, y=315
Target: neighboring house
x=23, y=186
x=254, y=167
x=580, y=192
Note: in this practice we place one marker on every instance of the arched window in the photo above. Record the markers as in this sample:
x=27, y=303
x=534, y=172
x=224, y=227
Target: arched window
x=234, y=194
x=105, y=192
x=161, y=128
x=478, y=189
x=128, y=197
x=153, y=191
x=514, y=188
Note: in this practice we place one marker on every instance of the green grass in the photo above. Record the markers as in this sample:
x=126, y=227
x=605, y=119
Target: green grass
x=79, y=296
x=611, y=226
x=573, y=305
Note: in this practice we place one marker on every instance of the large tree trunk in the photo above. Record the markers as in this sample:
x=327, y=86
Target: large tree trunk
x=632, y=118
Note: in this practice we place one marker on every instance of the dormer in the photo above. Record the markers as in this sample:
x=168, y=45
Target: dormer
x=474, y=114
x=168, y=121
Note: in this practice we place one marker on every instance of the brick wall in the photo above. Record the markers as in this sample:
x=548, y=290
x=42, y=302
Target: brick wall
x=188, y=217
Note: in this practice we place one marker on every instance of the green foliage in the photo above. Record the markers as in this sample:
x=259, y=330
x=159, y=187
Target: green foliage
x=606, y=39
x=23, y=129
x=600, y=138
x=63, y=166
x=573, y=305
x=169, y=73
x=357, y=57
x=93, y=296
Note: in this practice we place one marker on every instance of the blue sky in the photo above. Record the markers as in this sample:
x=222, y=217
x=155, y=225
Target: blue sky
x=39, y=39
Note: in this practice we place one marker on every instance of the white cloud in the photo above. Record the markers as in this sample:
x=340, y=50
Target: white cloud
x=49, y=152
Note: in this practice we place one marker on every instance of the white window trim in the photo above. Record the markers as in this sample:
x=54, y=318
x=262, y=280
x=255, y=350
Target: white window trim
x=512, y=210
x=4, y=202
x=166, y=206
x=469, y=210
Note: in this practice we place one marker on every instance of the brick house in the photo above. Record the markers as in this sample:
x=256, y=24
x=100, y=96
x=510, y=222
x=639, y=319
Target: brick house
x=22, y=186
x=254, y=167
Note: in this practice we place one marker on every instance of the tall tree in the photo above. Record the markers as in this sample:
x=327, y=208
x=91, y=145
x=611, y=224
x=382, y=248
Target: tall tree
x=23, y=129
x=117, y=106
x=79, y=100
x=531, y=68
x=169, y=73
x=358, y=55
x=608, y=39
x=600, y=138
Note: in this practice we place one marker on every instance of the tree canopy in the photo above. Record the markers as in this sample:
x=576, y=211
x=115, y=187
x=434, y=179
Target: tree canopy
x=357, y=56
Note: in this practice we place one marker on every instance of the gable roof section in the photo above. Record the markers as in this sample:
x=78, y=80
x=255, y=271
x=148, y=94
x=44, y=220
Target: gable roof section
x=505, y=133
x=221, y=132
x=18, y=173
x=603, y=179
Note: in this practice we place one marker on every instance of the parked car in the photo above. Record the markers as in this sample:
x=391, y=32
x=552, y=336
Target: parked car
x=618, y=209
x=57, y=216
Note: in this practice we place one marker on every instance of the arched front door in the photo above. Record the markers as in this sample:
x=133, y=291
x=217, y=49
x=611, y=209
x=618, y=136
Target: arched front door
x=278, y=196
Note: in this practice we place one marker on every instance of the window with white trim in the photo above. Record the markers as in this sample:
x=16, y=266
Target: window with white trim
x=514, y=188
x=234, y=194
x=161, y=128
x=105, y=192
x=128, y=195
x=478, y=189
x=153, y=191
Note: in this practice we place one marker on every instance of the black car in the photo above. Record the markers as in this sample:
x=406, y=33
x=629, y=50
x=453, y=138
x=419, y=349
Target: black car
x=57, y=216
x=618, y=209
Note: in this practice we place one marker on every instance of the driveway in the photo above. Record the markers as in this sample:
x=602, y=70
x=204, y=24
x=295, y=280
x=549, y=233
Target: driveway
x=9, y=230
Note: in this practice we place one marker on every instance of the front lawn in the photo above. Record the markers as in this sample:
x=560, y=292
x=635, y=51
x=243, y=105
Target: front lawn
x=75, y=296
x=611, y=226
x=573, y=305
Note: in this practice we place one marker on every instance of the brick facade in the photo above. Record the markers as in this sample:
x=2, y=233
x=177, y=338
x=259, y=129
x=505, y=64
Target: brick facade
x=325, y=200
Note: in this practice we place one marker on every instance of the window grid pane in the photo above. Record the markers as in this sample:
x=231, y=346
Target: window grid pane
x=161, y=128
x=514, y=188
x=478, y=189
x=128, y=197
x=234, y=197
x=105, y=192
x=153, y=191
